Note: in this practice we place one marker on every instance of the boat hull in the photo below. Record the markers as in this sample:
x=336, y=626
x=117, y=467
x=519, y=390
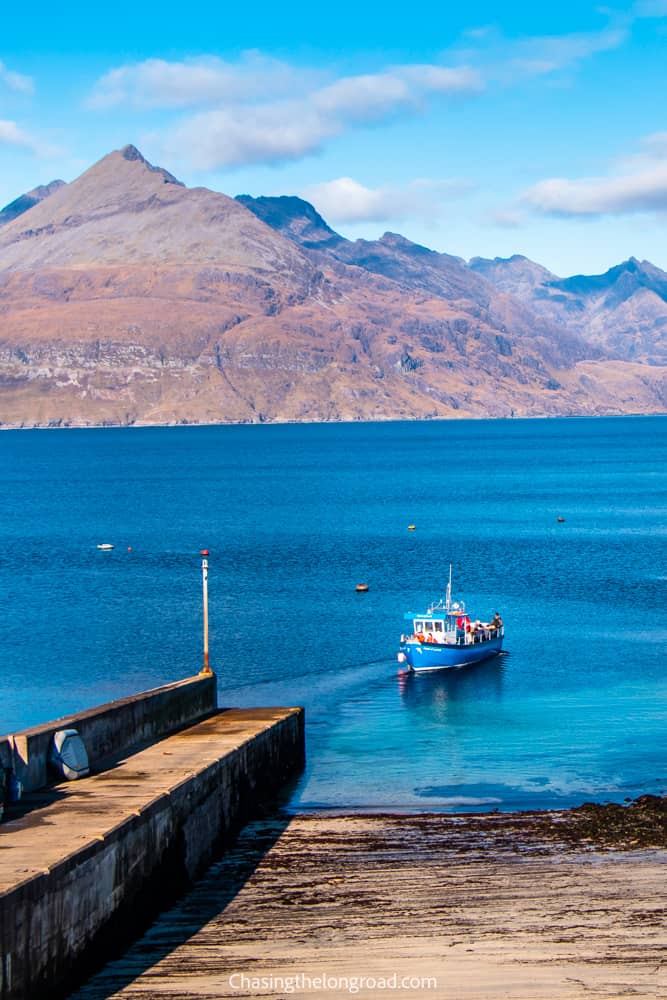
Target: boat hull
x=423, y=657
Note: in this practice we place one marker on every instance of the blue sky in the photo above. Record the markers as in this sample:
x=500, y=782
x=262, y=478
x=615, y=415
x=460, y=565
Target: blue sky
x=490, y=130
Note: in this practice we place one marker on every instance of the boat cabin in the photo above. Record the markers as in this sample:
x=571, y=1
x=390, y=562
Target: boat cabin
x=439, y=624
x=429, y=626
x=449, y=626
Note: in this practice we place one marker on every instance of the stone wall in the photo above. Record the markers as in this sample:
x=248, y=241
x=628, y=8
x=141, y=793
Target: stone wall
x=113, y=728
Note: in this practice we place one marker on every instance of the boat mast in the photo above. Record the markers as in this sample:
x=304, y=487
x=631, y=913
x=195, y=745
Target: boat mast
x=448, y=599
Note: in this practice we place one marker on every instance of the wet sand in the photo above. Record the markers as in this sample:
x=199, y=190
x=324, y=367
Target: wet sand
x=555, y=905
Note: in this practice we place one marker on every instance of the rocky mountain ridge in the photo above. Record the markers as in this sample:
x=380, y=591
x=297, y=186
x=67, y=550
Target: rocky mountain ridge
x=623, y=312
x=28, y=200
x=126, y=297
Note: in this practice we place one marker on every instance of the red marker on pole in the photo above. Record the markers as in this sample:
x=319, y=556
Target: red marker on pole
x=206, y=669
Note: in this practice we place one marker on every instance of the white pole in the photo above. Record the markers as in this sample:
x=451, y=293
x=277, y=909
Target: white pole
x=206, y=669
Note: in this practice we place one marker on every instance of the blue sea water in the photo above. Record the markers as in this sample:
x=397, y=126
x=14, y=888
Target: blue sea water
x=294, y=517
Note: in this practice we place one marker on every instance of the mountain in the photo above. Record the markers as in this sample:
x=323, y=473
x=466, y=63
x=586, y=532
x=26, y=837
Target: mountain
x=623, y=312
x=515, y=275
x=127, y=297
x=424, y=272
x=123, y=211
x=294, y=218
x=28, y=200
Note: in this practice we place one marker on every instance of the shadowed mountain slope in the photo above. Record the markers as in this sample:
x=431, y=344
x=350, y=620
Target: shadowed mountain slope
x=28, y=200
x=294, y=218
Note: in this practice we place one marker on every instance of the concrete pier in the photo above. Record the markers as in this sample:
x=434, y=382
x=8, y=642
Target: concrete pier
x=85, y=864
x=114, y=727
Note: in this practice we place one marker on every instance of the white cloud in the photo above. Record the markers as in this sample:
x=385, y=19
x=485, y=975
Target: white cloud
x=640, y=186
x=281, y=130
x=346, y=200
x=641, y=192
x=269, y=133
x=510, y=61
x=12, y=135
x=653, y=151
x=443, y=79
x=287, y=129
x=157, y=83
x=550, y=53
x=363, y=98
x=15, y=81
x=375, y=95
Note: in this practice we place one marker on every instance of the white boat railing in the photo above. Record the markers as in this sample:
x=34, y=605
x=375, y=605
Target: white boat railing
x=465, y=639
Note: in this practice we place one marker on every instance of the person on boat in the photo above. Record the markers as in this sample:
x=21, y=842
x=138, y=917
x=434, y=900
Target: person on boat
x=430, y=637
x=420, y=637
x=496, y=622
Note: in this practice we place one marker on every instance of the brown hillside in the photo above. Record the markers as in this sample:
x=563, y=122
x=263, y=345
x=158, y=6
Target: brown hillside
x=126, y=297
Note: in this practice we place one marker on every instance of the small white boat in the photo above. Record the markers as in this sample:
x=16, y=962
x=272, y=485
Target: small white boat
x=105, y=546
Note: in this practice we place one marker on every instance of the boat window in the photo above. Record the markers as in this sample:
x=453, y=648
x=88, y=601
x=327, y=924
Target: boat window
x=419, y=626
x=437, y=627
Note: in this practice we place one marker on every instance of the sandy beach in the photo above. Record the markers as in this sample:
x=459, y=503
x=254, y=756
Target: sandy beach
x=533, y=905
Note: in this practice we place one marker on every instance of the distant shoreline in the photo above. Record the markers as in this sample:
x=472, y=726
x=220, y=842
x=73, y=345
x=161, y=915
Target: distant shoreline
x=138, y=425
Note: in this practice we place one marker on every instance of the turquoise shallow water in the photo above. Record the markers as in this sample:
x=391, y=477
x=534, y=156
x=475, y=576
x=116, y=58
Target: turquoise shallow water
x=295, y=516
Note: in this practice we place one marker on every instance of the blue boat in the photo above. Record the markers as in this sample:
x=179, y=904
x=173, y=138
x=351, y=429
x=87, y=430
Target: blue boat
x=445, y=637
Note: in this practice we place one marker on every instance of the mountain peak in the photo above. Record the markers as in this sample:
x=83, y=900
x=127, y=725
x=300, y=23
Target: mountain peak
x=131, y=152
x=620, y=281
x=123, y=210
x=400, y=242
x=292, y=217
x=516, y=275
x=104, y=174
